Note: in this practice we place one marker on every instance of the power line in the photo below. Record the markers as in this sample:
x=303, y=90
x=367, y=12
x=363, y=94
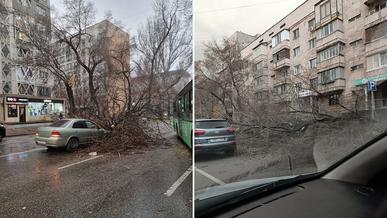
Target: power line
x=239, y=7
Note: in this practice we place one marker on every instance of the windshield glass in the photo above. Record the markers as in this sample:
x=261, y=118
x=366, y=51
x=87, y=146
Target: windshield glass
x=295, y=107
x=211, y=124
x=59, y=123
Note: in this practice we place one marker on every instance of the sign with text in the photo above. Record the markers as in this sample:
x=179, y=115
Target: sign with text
x=17, y=100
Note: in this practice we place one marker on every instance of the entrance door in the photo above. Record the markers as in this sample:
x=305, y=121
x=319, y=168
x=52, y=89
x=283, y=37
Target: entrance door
x=22, y=114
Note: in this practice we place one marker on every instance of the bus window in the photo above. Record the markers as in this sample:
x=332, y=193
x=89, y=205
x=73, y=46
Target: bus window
x=186, y=98
x=190, y=101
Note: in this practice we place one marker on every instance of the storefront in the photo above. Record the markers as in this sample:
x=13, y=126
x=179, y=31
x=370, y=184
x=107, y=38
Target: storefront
x=17, y=109
x=380, y=95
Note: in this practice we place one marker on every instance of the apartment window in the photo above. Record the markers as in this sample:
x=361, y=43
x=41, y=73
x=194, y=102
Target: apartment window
x=44, y=91
x=311, y=24
x=298, y=87
x=327, y=29
x=357, y=67
x=281, y=89
x=377, y=7
x=314, y=83
x=279, y=37
x=356, y=42
x=296, y=34
x=325, y=9
x=376, y=32
x=296, y=51
x=377, y=61
x=334, y=99
x=329, y=76
x=330, y=52
x=312, y=63
x=312, y=43
x=354, y=18
x=297, y=69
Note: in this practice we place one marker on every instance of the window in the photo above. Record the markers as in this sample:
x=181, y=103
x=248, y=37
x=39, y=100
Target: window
x=297, y=69
x=356, y=42
x=325, y=9
x=91, y=125
x=311, y=24
x=80, y=125
x=312, y=43
x=12, y=110
x=314, y=83
x=357, y=67
x=281, y=36
x=327, y=29
x=296, y=34
x=377, y=61
x=44, y=91
x=281, y=89
x=312, y=63
x=296, y=51
x=377, y=7
x=334, y=99
x=376, y=32
x=331, y=75
x=298, y=87
x=354, y=18
x=40, y=11
x=330, y=52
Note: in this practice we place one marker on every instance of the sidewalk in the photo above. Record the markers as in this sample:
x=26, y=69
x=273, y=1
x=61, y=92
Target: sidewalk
x=23, y=129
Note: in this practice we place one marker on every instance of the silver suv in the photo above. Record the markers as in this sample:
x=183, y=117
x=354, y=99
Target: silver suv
x=214, y=135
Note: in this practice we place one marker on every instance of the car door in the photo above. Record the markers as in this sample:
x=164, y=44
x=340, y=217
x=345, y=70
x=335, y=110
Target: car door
x=81, y=131
x=93, y=130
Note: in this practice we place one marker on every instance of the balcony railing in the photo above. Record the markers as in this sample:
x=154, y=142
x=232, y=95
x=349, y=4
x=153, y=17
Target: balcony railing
x=284, y=63
x=375, y=18
x=337, y=85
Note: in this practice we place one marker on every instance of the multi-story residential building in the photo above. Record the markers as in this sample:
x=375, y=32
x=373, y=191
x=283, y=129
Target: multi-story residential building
x=25, y=92
x=324, y=51
x=110, y=84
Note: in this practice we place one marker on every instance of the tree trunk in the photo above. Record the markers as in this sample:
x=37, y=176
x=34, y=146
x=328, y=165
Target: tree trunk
x=93, y=95
x=70, y=97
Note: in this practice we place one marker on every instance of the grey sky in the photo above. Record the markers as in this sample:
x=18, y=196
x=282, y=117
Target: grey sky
x=131, y=13
x=215, y=19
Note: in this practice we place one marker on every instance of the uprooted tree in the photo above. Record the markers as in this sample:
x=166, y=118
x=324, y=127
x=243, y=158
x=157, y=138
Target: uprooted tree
x=106, y=76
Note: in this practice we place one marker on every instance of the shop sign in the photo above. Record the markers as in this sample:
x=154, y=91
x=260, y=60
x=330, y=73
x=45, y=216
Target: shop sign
x=17, y=100
x=47, y=101
x=376, y=78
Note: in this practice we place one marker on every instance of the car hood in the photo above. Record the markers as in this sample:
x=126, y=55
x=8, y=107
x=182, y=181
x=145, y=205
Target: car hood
x=235, y=187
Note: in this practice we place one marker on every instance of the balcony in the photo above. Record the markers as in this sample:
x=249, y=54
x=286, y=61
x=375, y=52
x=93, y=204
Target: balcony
x=376, y=46
x=281, y=64
x=329, y=19
x=337, y=36
x=331, y=62
x=282, y=45
x=337, y=85
x=375, y=18
x=280, y=79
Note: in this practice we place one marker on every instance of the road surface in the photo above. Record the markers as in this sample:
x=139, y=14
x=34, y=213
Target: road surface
x=40, y=183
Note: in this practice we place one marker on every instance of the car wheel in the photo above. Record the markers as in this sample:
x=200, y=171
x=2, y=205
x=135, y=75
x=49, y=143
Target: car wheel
x=72, y=144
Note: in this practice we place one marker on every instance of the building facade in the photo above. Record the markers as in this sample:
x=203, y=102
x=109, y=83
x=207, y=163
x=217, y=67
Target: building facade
x=108, y=81
x=26, y=93
x=322, y=55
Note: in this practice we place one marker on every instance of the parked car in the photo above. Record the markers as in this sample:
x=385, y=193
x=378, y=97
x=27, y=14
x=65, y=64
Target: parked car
x=2, y=132
x=214, y=135
x=68, y=133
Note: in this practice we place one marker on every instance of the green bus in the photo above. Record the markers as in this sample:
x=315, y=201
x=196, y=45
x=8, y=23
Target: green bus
x=182, y=114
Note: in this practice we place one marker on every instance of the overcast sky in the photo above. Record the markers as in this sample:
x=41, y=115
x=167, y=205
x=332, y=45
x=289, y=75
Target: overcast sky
x=215, y=19
x=131, y=13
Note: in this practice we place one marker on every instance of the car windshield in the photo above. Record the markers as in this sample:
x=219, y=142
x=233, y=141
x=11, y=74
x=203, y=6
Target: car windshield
x=59, y=123
x=211, y=124
x=295, y=106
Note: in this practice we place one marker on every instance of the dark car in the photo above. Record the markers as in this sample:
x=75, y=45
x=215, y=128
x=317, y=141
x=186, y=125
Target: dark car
x=214, y=135
x=2, y=132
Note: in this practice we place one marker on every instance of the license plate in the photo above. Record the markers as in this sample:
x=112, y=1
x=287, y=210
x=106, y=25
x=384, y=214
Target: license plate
x=40, y=142
x=218, y=140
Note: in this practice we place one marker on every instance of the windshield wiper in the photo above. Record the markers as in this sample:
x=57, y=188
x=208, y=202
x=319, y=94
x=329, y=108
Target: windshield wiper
x=206, y=207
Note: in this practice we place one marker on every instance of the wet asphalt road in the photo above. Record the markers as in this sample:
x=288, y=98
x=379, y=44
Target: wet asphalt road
x=35, y=184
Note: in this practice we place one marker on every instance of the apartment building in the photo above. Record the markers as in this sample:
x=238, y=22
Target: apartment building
x=102, y=39
x=322, y=56
x=25, y=92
